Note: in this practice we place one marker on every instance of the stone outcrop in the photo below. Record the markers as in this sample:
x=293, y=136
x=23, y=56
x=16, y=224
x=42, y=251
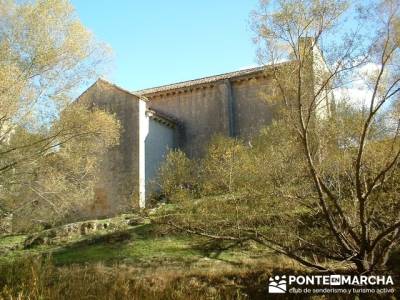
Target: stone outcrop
x=97, y=229
x=5, y=223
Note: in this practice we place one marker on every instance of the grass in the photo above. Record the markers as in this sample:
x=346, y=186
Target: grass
x=11, y=242
x=137, y=262
x=139, y=248
x=146, y=248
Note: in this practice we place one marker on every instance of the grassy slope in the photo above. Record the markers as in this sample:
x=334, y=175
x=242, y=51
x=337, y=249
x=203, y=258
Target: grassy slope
x=141, y=260
x=147, y=264
x=135, y=262
x=139, y=246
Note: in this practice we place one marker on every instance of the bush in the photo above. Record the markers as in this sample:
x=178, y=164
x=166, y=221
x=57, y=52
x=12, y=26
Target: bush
x=229, y=166
x=222, y=168
x=177, y=176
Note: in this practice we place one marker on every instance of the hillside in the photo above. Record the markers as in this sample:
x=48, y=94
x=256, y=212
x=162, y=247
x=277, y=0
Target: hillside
x=138, y=252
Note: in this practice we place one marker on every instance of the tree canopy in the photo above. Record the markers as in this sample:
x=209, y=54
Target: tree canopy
x=49, y=146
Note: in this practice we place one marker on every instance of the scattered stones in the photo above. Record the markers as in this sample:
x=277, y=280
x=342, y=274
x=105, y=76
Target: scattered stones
x=87, y=227
x=71, y=229
x=101, y=226
x=111, y=230
x=5, y=223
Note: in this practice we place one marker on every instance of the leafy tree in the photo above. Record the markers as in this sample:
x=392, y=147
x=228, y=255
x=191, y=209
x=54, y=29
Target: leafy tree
x=331, y=175
x=48, y=145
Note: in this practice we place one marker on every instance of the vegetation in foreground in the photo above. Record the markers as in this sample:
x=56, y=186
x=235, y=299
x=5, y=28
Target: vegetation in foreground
x=136, y=260
x=338, y=175
x=143, y=261
x=50, y=146
x=321, y=183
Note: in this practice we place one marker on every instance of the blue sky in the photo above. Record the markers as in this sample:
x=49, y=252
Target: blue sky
x=159, y=42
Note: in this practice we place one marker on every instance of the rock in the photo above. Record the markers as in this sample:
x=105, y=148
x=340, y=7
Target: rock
x=5, y=223
x=83, y=229
x=111, y=231
x=32, y=241
x=86, y=228
x=135, y=221
x=70, y=229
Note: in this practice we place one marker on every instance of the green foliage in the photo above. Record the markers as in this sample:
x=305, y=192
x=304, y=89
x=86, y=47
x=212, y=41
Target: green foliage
x=148, y=249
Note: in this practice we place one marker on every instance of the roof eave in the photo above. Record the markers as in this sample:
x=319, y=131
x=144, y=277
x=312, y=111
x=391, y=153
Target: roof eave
x=197, y=83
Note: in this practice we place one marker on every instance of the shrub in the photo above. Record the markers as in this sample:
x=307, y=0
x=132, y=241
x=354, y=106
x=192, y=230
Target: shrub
x=177, y=176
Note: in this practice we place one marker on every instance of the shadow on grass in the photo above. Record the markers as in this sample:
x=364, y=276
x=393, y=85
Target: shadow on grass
x=215, y=249
x=143, y=244
x=140, y=244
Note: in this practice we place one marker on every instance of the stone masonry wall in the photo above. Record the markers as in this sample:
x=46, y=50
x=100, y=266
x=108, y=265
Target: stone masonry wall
x=204, y=110
x=119, y=178
x=252, y=112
